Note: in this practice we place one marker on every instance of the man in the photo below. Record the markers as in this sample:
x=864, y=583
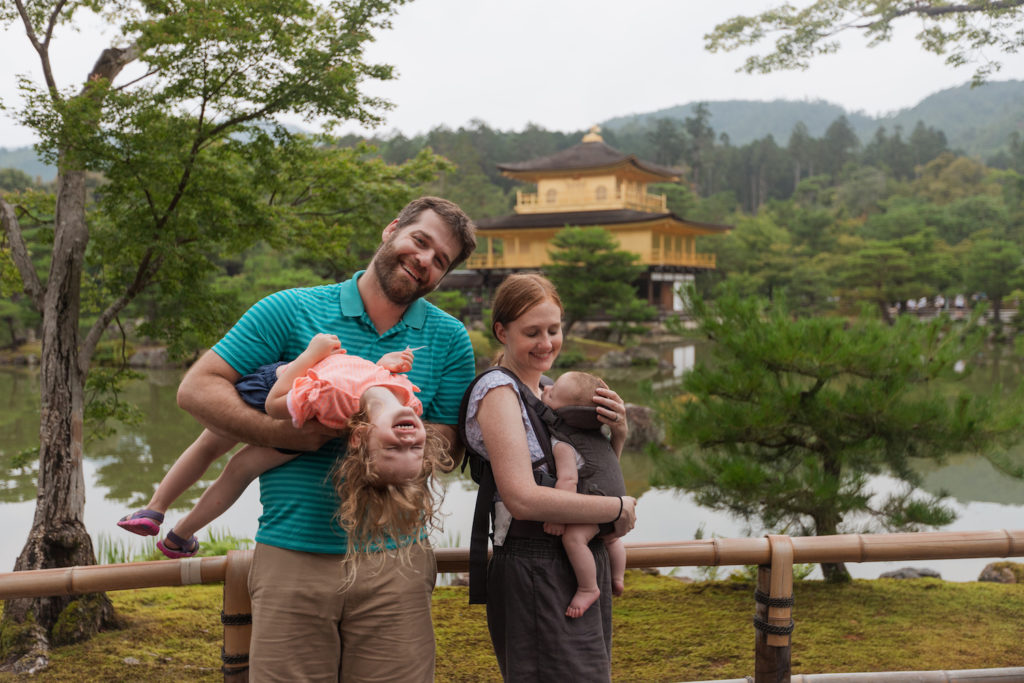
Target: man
x=305, y=627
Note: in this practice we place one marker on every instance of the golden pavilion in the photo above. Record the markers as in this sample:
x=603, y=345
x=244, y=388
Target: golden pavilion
x=592, y=184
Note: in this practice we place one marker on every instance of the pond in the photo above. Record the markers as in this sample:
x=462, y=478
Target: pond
x=122, y=469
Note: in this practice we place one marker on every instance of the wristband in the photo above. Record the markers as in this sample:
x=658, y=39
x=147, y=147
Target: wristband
x=620, y=512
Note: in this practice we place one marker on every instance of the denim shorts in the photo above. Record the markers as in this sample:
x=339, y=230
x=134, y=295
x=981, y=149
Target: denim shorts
x=255, y=387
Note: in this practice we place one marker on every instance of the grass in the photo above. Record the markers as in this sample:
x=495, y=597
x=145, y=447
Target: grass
x=665, y=630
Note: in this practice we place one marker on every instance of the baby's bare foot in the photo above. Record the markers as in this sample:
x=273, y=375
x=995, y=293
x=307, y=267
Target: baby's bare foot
x=584, y=598
x=618, y=585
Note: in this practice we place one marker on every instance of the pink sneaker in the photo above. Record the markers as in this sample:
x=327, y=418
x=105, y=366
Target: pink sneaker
x=144, y=522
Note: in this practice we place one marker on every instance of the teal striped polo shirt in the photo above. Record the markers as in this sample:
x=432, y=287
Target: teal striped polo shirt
x=299, y=501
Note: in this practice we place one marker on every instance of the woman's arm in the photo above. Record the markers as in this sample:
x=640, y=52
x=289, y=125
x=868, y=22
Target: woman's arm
x=505, y=441
x=320, y=346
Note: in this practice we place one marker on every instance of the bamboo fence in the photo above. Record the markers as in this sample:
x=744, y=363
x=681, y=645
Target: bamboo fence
x=775, y=556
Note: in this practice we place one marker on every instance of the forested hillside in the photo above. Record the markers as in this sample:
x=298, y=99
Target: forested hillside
x=829, y=219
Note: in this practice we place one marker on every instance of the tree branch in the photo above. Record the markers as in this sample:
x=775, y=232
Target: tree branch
x=928, y=10
x=43, y=49
x=110, y=63
x=19, y=252
x=148, y=268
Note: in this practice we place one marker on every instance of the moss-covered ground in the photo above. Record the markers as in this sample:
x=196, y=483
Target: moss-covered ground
x=665, y=630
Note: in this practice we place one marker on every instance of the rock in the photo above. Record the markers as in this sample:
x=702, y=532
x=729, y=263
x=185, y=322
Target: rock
x=643, y=428
x=460, y=579
x=132, y=661
x=149, y=358
x=1003, y=572
x=911, y=573
x=633, y=356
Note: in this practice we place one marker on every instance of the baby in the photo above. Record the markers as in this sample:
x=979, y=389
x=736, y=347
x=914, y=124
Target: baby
x=585, y=462
x=384, y=480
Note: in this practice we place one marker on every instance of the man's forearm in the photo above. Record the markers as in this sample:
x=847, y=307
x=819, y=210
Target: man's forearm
x=207, y=392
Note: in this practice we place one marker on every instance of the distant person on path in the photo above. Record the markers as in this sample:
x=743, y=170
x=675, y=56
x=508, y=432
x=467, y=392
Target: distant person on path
x=529, y=578
x=311, y=621
x=586, y=462
x=378, y=409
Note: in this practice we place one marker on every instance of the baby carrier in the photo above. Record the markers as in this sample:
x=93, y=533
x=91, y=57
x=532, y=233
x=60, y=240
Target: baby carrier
x=543, y=420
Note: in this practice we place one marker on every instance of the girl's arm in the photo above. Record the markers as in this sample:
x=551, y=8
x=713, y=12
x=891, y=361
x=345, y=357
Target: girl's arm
x=505, y=441
x=320, y=346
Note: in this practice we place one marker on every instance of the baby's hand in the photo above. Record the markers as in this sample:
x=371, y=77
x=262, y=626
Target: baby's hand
x=323, y=345
x=554, y=528
x=397, y=361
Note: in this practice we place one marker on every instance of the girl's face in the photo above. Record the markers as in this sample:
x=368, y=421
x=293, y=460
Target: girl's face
x=395, y=440
x=532, y=341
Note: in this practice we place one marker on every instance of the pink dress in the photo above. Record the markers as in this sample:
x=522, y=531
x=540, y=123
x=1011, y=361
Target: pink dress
x=330, y=390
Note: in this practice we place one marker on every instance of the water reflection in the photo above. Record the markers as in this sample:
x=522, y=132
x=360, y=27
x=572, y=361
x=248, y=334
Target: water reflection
x=122, y=470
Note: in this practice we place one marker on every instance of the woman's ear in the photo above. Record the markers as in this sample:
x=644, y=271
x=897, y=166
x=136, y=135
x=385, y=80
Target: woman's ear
x=355, y=437
x=500, y=333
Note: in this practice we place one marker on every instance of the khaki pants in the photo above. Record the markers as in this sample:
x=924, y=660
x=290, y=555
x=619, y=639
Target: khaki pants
x=305, y=628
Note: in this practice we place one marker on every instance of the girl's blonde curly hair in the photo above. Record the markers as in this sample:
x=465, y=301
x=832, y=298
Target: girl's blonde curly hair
x=374, y=509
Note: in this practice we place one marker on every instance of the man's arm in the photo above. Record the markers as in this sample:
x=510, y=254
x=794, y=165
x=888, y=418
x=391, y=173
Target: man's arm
x=207, y=392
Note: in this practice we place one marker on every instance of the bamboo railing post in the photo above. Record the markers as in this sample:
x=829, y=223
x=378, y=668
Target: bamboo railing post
x=236, y=617
x=773, y=622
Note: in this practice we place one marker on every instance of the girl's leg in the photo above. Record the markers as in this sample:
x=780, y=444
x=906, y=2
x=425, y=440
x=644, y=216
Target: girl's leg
x=575, y=541
x=189, y=468
x=617, y=559
x=242, y=468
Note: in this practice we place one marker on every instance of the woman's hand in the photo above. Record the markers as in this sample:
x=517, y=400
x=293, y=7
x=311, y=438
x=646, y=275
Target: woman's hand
x=611, y=410
x=627, y=519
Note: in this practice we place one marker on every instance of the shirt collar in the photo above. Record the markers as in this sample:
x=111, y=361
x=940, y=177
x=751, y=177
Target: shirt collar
x=352, y=305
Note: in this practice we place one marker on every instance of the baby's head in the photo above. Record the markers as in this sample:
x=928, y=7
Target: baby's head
x=572, y=389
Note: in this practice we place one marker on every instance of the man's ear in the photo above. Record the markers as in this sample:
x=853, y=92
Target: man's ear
x=389, y=230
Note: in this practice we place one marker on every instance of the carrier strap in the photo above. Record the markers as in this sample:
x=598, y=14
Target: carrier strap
x=480, y=469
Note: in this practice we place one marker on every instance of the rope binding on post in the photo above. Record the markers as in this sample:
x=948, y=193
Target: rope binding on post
x=771, y=629
x=765, y=599
x=235, y=619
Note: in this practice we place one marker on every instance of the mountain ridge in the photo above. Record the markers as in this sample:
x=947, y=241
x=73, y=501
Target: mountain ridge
x=977, y=121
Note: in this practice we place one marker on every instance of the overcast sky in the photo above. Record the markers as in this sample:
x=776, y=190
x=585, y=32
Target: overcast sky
x=567, y=64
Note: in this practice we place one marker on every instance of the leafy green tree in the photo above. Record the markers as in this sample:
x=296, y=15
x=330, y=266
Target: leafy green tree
x=964, y=32
x=593, y=275
x=668, y=141
x=792, y=416
x=192, y=165
x=994, y=267
x=700, y=142
x=15, y=179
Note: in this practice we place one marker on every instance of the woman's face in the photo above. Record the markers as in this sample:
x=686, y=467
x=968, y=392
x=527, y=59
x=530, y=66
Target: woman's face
x=532, y=341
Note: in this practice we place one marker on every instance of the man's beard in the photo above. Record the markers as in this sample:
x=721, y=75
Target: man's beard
x=394, y=280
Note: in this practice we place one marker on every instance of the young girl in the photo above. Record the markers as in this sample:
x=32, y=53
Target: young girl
x=384, y=479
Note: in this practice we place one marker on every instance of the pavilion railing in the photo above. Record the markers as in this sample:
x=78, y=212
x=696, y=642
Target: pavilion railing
x=774, y=555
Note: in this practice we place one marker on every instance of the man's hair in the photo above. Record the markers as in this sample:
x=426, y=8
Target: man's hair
x=582, y=387
x=452, y=216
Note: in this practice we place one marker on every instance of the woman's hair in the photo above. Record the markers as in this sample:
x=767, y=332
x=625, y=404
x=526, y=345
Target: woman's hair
x=373, y=509
x=518, y=294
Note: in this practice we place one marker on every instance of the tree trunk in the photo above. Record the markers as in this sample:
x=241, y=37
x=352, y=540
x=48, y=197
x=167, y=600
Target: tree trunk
x=58, y=537
x=883, y=307
x=826, y=523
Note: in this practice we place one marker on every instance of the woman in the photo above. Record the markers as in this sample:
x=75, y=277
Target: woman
x=529, y=579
